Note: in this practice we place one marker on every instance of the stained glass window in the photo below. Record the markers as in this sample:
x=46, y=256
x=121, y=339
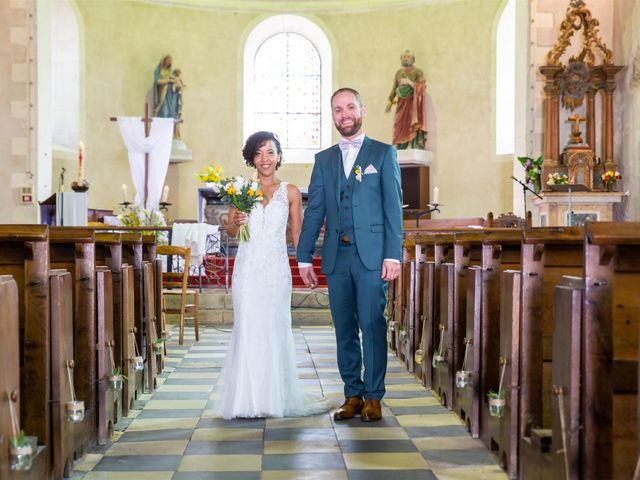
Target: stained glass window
x=287, y=85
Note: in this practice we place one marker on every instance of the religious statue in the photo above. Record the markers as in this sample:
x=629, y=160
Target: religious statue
x=410, y=123
x=167, y=92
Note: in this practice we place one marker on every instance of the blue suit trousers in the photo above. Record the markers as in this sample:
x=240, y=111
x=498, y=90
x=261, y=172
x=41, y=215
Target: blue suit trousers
x=357, y=299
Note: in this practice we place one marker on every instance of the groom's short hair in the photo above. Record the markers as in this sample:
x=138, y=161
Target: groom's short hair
x=350, y=90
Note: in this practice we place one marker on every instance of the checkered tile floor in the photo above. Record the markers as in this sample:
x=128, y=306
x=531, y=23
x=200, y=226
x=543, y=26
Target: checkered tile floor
x=175, y=436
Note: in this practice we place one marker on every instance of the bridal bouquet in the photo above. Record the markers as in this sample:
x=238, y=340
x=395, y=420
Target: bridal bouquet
x=243, y=194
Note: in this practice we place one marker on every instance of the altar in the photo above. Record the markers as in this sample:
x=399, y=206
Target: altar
x=554, y=207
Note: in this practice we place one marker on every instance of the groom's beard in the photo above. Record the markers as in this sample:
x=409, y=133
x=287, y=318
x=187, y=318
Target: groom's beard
x=349, y=131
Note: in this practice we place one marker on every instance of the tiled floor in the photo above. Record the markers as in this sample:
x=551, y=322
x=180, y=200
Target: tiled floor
x=175, y=436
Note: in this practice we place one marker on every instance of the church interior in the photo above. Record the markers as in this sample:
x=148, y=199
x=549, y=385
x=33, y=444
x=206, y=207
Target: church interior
x=512, y=329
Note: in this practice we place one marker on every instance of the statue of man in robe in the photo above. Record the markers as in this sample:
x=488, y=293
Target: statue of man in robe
x=167, y=92
x=408, y=92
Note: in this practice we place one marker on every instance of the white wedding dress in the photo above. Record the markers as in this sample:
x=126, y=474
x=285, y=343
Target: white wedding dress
x=260, y=377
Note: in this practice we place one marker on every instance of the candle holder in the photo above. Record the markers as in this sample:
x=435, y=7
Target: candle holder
x=164, y=205
x=419, y=213
x=80, y=185
x=125, y=205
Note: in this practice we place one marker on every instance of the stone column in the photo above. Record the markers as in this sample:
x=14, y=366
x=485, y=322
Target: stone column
x=591, y=119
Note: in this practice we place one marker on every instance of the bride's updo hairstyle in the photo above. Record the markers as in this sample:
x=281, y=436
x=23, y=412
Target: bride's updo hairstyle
x=255, y=142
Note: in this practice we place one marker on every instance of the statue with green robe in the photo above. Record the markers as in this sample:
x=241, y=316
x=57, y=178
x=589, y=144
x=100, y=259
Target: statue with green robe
x=408, y=93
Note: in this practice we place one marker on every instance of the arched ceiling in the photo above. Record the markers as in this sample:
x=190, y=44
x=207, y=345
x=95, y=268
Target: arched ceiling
x=299, y=6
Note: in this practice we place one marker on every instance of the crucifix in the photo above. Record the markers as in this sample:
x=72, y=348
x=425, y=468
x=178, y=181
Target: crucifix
x=576, y=134
x=147, y=119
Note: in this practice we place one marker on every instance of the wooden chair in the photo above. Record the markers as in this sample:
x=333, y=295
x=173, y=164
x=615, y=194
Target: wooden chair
x=179, y=280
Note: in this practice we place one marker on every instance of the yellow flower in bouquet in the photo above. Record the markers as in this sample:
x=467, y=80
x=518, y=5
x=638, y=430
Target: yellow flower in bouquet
x=243, y=194
x=210, y=174
x=610, y=178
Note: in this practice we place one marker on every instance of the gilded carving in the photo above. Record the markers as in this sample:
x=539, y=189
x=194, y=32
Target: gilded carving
x=579, y=17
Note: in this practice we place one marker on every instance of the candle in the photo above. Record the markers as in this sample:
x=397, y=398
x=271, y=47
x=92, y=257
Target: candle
x=80, y=168
x=124, y=192
x=165, y=194
x=435, y=195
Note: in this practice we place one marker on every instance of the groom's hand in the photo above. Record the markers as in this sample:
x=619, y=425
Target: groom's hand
x=390, y=270
x=309, y=277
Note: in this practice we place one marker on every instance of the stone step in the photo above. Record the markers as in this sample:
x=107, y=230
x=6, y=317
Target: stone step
x=216, y=307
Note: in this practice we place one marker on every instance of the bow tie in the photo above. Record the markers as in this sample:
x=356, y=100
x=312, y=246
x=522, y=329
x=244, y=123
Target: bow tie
x=347, y=144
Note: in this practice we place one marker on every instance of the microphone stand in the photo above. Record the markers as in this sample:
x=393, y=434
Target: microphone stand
x=525, y=187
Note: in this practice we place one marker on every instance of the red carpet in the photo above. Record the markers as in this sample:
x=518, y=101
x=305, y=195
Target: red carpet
x=214, y=272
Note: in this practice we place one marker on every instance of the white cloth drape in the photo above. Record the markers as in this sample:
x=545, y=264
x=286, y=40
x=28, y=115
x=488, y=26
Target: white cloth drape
x=194, y=236
x=157, y=145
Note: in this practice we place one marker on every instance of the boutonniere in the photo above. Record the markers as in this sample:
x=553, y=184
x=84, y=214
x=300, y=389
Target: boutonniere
x=358, y=172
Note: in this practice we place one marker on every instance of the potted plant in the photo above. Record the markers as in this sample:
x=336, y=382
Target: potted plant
x=21, y=451
x=418, y=356
x=158, y=346
x=610, y=179
x=557, y=178
x=497, y=403
x=438, y=358
x=75, y=411
x=463, y=378
x=532, y=170
x=137, y=363
x=116, y=379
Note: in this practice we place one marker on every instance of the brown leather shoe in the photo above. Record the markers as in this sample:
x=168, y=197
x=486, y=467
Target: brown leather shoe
x=371, y=411
x=351, y=407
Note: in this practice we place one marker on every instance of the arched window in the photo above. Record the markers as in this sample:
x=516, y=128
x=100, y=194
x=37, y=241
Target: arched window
x=506, y=80
x=287, y=85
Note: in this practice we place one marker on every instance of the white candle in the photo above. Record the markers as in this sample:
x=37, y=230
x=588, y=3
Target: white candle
x=80, y=163
x=165, y=194
x=124, y=192
x=435, y=195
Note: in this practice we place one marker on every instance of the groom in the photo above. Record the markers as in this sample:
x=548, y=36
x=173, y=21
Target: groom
x=355, y=188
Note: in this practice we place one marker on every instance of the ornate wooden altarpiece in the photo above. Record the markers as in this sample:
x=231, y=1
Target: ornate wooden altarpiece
x=569, y=84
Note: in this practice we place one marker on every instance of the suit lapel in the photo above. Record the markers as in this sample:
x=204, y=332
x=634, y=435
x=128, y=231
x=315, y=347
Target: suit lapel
x=361, y=158
x=336, y=171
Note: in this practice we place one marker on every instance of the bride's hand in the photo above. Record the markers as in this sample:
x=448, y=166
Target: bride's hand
x=240, y=218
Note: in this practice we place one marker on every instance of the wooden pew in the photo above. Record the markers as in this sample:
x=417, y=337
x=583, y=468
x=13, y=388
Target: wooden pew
x=109, y=400
x=610, y=350
x=132, y=255
x=426, y=295
x=10, y=379
x=405, y=331
x=130, y=349
x=467, y=254
x=500, y=252
x=24, y=254
x=64, y=371
x=562, y=458
x=149, y=254
x=109, y=254
x=443, y=371
x=149, y=295
x=547, y=255
x=73, y=249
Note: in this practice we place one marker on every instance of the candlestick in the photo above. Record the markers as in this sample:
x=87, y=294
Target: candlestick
x=436, y=193
x=165, y=194
x=124, y=192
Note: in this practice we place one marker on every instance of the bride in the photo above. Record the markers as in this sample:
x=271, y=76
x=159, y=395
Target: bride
x=259, y=377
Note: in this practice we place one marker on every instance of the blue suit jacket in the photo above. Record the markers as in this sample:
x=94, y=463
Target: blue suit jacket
x=376, y=202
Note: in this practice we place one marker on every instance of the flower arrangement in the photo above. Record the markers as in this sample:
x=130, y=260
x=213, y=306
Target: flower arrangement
x=242, y=193
x=610, y=178
x=557, y=179
x=210, y=174
x=141, y=217
x=532, y=169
